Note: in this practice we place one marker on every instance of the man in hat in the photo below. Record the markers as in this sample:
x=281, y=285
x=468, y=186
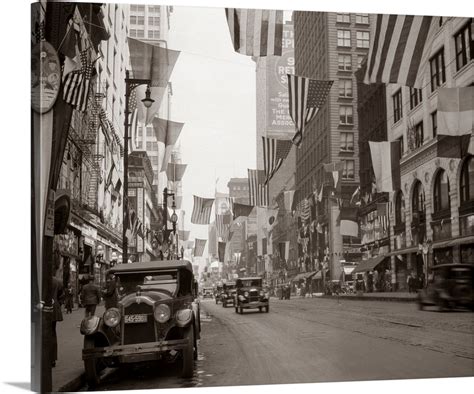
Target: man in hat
x=90, y=296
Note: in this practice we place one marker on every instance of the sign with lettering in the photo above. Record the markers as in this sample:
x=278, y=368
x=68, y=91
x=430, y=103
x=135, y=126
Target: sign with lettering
x=277, y=100
x=49, y=218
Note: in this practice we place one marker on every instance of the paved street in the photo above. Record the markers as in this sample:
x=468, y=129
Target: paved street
x=318, y=340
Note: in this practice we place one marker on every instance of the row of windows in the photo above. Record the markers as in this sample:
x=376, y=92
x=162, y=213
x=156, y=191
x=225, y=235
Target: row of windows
x=137, y=33
x=344, y=38
x=140, y=20
x=344, y=61
x=141, y=8
x=441, y=193
x=346, y=18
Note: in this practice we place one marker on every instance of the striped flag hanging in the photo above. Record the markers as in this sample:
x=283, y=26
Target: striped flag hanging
x=223, y=225
x=399, y=45
x=77, y=82
x=306, y=97
x=305, y=210
x=258, y=190
x=202, y=210
x=256, y=32
x=199, y=245
x=274, y=152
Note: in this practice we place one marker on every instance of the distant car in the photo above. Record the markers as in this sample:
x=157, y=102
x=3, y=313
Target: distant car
x=207, y=292
x=218, y=293
x=156, y=318
x=451, y=286
x=250, y=295
x=228, y=294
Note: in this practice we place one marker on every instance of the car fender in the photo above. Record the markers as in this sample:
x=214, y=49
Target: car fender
x=100, y=330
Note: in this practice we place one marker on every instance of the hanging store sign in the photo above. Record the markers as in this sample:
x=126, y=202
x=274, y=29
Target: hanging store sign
x=45, y=77
x=49, y=218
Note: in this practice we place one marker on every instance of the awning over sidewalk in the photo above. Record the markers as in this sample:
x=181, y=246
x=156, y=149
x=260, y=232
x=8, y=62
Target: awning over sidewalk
x=413, y=249
x=303, y=275
x=453, y=242
x=369, y=265
x=319, y=275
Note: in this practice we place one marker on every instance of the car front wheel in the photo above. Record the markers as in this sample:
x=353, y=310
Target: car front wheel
x=187, y=368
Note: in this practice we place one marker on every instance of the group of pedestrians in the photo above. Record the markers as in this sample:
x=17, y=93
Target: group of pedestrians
x=91, y=296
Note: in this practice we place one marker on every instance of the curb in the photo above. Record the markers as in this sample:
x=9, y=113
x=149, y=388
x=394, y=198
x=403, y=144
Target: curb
x=362, y=298
x=74, y=384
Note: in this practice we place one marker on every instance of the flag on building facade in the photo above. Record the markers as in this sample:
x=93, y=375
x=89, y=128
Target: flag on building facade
x=306, y=97
x=258, y=190
x=223, y=225
x=199, y=245
x=201, y=210
x=76, y=83
x=183, y=235
x=349, y=221
x=256, y=33
x=167, y=133
x=288, y=199
x=399, y=49
x=355, y=199
x=241, y=210
x=382, y=213
x=221, y=251
x=175, y=171
x=272, y=215
x=274, y=152
x=456, y=111
x=334, y=170
x=304, y=209
x=386, y=164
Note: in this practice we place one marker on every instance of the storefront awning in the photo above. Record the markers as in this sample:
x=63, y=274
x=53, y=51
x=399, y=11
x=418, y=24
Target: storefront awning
x=369, y=265
x=319, y=275
x=413, y=249
x=453, y=242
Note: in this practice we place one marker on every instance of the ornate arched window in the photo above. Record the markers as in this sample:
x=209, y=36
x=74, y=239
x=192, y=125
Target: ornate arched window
x=467, y=181
x=418, y=199
x=399, y=209
x=441, y=200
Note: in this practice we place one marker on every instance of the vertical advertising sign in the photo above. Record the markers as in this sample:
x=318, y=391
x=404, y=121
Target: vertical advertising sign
x=279, y=122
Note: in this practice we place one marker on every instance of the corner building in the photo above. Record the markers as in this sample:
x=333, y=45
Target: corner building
x=330, y=46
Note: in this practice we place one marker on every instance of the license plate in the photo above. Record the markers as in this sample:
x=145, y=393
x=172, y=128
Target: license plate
x=136, y=318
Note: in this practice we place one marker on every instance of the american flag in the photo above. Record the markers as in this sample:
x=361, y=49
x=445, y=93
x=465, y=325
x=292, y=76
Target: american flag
x=199, y=245
x=304, y=210
x=399, y=45
x=202, y=210
x=256, y=32
x=258, y=190
x=223, y=226
x=274, y=152
x=306, y=97
x=76, y=84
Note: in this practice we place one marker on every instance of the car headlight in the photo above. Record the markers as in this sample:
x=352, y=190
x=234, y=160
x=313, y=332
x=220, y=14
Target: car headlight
x=246, y=294
x=112, y=317
x=262, y=293
x=162, y=313
x=183, y=317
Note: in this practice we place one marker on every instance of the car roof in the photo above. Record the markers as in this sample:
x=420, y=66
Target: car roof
x=158, y=265
x=452, y=266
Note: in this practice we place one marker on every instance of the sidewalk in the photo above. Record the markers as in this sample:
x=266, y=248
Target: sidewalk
x=68, y=375
x=390, y=296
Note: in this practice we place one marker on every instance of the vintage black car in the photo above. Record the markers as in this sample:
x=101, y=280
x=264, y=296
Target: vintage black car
x=251, y=295
x=218, y=293
x=207, y=292
x=450, y=286
x=228, y=294
x=156, y=318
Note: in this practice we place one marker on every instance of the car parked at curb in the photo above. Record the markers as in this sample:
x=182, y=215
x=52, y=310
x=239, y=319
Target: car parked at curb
x=156, y=318
x=250, y=294
x=450, y=286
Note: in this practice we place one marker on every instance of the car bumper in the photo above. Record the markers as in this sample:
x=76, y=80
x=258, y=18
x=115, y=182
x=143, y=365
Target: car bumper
x=253, y=304
x=135, y=352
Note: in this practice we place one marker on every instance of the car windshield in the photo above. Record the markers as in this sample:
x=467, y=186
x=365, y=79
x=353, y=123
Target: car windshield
x=251, y=282
x=159, y=281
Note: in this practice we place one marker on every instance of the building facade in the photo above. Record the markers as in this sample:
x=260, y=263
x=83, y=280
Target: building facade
x=330, y=46
x=432, y=216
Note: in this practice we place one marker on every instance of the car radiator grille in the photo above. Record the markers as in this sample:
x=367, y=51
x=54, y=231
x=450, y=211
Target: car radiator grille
x=254, y=296
x=139, y=332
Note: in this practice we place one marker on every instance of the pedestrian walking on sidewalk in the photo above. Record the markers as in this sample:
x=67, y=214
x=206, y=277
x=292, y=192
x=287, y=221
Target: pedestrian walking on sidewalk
x=110, y=292
x=90, y=296
x=69, y=303
x=57, y=291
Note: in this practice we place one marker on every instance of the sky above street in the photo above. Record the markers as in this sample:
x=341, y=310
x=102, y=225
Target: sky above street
x=214, y=96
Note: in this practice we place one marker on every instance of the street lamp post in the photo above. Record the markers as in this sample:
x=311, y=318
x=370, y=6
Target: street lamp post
x=130, y=85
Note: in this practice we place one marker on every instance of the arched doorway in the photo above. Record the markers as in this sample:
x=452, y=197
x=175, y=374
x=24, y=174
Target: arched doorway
x=441, y=218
